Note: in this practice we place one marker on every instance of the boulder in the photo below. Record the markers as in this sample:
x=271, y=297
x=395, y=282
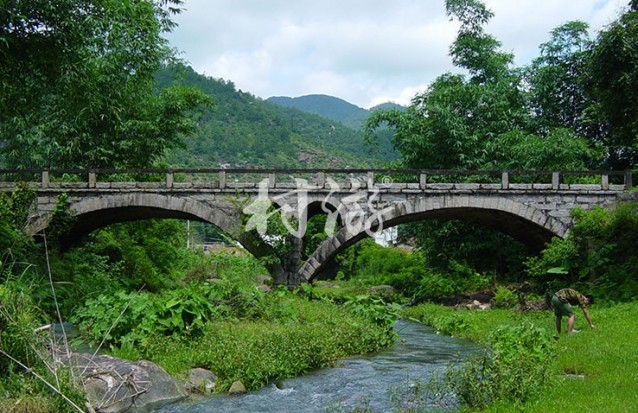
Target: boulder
x=114, y=385
x=384, y=290
x=200, y=381
x=237, y=388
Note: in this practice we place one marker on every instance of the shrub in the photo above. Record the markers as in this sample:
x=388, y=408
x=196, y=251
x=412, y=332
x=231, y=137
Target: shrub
x=516, y=368
x=504, y=298
x=259, y=352
x=600, y=250
x=132, y=318
x=435, y=286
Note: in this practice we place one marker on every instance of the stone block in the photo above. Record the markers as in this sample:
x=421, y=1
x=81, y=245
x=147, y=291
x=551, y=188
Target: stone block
x=439, y=187
x=587, y=200
x=580, y=187
x=122, y=185
x=523, y=187
x=149, y=185
x=240, y=185
x=542, y=186
x=467, y=186
x=490, y=186
x=75, y=185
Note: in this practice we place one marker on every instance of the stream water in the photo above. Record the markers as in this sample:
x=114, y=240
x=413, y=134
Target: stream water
x=363, y=382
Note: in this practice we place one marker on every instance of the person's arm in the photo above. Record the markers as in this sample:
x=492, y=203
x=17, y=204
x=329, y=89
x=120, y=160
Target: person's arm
x=588, y=317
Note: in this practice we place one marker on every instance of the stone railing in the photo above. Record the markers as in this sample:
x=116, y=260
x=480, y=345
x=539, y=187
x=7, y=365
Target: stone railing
x=385, y=179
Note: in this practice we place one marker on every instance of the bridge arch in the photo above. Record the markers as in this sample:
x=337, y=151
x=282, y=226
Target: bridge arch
x=98, y=212
x=530, y=225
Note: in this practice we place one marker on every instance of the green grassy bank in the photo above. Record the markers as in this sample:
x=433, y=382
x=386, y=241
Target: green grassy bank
x=593, y=371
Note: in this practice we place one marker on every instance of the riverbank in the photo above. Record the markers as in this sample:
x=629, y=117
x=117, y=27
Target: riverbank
x=306, y=335
x=593, y=371
x=386, y=381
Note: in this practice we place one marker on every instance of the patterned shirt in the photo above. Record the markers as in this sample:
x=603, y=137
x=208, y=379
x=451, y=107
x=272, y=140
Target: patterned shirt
x=571, y=296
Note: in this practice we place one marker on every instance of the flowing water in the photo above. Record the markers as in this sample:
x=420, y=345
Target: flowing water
x=363, y=382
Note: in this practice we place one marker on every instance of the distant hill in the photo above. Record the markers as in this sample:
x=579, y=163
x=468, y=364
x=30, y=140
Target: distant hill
x=332, y=108
x=242, y=130
x=327, y=106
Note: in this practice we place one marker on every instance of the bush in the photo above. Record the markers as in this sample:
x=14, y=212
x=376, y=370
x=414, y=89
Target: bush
x=130, y=318
x=259, y=352
x=600, y=251
x=435, y=286
x=516, y=368
x=504, y=298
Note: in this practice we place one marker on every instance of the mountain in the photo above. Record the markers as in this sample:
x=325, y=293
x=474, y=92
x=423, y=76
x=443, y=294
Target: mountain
x=332, y=108
x=327, y=106
x=242, y=130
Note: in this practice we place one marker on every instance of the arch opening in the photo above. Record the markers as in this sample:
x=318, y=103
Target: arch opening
x=533, y=229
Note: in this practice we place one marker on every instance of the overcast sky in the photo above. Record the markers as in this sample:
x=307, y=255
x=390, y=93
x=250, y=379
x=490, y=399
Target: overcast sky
x=364, y=51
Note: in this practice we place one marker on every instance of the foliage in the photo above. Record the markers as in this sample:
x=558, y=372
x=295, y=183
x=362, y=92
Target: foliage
x=504, y=298
x=598, y=251
x=131, y=318
x=557, y=80
x=62, y=219
x=367, y=264
x=590, y=371
x=559, y=149
x=484, y=120
x=457, y=246
x=77, y=84
x=516, y=368
x=260, y=352
x=15, y=243
x=23, y=351
x=223, y=287
x=20, y=343
x=376, y=310
x=242, y=130
x=613, y=76
x=434, y=287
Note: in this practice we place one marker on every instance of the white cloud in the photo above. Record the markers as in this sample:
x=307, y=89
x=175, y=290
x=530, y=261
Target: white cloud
x=363, y=51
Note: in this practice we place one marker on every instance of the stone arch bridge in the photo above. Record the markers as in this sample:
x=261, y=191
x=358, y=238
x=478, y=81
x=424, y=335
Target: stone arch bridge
x=531, y=206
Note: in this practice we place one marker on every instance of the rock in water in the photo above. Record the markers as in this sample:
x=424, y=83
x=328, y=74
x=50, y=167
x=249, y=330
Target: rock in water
x=237, y=388
x=114, y=385
x=200, y=381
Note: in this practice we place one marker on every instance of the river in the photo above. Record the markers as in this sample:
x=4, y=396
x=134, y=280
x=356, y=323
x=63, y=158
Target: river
x=365, y=382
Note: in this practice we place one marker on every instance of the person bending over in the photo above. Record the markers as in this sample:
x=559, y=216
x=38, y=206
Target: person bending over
x=562, y=302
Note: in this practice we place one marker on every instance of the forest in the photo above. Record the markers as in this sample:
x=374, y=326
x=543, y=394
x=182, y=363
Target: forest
x=88, y=84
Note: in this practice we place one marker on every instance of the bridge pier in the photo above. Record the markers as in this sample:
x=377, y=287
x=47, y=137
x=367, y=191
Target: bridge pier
x=291, y=263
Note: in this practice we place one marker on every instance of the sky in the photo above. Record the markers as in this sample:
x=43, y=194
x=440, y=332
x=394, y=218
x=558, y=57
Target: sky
x=366, y=52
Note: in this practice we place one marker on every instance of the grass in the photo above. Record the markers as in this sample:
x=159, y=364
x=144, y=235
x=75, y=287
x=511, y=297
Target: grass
x=594, y=371
x=259, y=352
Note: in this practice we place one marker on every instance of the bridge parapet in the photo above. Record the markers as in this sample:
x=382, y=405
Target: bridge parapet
x=388, y=180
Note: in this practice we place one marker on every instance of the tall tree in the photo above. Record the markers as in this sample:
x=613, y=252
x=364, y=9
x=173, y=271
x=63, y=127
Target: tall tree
x=557, y=79
x=77, y=87
x=613, y=70
x=449, y=125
